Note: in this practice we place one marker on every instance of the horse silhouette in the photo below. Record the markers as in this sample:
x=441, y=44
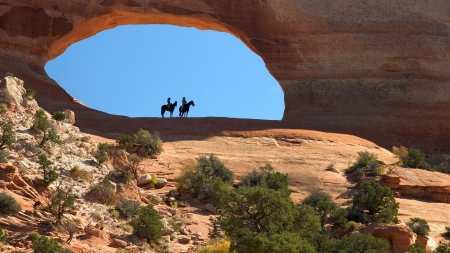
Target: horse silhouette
x=172, y=108
x=184, y=110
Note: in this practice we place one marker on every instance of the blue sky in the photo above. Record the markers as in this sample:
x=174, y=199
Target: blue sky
x=132, y=70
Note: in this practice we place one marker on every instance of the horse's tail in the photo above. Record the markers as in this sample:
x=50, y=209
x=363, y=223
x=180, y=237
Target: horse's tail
x=162, y=111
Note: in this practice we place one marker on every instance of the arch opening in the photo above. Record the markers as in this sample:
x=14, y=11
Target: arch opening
x=132, y=69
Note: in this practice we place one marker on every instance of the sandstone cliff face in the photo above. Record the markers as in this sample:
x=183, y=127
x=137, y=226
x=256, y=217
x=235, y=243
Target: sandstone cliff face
x=376, y=68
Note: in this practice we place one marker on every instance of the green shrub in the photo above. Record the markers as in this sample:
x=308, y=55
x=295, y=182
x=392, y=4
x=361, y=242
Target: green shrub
x=357, y=242
x=411, y=158
x=8, y=205
x=9, y=74
x=200, y=179
x=326, y=209
x=417, y=247
x=447, y=231
x=62, y=200
x=103, y=192
x=2, y=235
x=59, y=116
x=442, y=248
x=31, y=94
x=101, y=155
x=415, y=158
x=147, y=225
x=378, y=200
x=2, y=109
x=151, y=144
x=418, y=226
x=3, y=157
x=125, y=142
x=366, y=161
x=42, y=125
x=127, y=207
x=8, y=135
x=43, y=244
x=51, y=174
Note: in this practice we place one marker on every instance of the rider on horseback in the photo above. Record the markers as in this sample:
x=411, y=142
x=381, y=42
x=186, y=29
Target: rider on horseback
x=183, y=103
x=168, y=104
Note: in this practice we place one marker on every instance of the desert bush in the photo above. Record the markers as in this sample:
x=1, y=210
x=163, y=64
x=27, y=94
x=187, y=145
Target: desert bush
x=8, y=205
x=151, y=143
x=59, y=116
x=330, y=167
x=127, y=207
x=415, y=159
x=62, y=200
x=442, y=248
x=378, y=200
x=444, y=166
x=43, y=244
x=147, y=225
x=31, y=94
x=9, y=74
x=447, y=231
x=80, y=175
x=418, y=226
x=51, y=174
x=103, y=192
x=2, y=235
x=2, y=109
x=125, y=142
x=266, y=177
x=199, y=179
x=220, y=247
x=3, y=157
x=417, y=247
x=141, y=141
x=326, y=209
x=70, y=226
x=42, y=125
x=101, y=155
x=133, y=164
x=8, y=135
x=410, y=157
x=366, y=161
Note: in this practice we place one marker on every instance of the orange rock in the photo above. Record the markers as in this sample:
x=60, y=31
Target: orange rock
x=371, y=74
x=399, y=237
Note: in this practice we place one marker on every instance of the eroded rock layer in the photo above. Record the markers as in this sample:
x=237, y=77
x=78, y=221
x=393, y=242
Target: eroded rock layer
x=377, y=68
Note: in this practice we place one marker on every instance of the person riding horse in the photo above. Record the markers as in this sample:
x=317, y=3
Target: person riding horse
x=183, y=102
x=168, y=104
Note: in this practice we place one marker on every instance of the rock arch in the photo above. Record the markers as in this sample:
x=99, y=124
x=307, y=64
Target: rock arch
x=377, y=68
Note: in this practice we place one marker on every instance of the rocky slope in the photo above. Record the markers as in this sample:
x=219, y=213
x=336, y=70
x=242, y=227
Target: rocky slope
x=375, y=69
x=303, y=154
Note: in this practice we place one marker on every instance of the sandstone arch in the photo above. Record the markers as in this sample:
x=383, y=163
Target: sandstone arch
x=376, y=68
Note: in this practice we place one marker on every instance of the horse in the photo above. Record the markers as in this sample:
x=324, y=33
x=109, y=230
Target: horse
x=172, y=108
x=184, y=110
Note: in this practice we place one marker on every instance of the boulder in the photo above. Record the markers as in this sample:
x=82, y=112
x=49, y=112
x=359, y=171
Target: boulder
x=12, y=91
x=160, y=183
x=400, y=238
x=70, y=116
x=119, y=243
x=184, y=239
x=144, y=179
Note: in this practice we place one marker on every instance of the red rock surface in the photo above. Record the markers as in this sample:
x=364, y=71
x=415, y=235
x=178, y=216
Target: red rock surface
x=419, y=183
x=377, y=69
x=399, y=237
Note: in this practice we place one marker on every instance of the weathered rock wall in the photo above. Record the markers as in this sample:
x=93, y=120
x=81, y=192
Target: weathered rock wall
x=374, y=68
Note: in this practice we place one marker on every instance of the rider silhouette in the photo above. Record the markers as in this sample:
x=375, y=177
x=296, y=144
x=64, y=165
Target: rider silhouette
x=168, y=104
x=184, y=102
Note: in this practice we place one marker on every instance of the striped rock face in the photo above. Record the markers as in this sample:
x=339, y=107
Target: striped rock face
x=376, y=68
